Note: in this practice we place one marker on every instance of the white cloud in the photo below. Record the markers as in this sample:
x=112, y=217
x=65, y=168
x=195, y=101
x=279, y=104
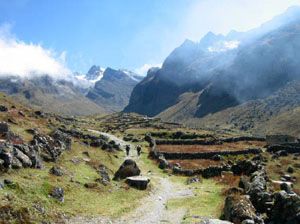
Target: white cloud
x=21, y=59
x=144, y=69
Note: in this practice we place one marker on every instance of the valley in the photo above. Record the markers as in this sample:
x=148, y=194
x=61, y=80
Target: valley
x=207, y=132
x=189, y=183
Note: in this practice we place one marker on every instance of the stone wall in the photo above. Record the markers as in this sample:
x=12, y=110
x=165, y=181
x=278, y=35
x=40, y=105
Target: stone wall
x=280, y=139
x=289, y=148
x=210, y=171
x=207, y=142
x=207, y=155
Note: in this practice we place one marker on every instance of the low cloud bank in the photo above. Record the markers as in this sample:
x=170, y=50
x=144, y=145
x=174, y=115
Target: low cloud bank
x=26, y=60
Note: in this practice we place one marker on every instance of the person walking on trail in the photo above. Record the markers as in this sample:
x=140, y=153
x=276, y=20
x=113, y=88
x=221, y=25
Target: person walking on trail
x=139, y=149
x=127, y=150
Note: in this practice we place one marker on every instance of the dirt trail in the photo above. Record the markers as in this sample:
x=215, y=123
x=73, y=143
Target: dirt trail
x=153, y=208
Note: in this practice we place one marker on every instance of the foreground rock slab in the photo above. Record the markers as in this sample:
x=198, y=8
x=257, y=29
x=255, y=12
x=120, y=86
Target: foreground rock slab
x=138, y=182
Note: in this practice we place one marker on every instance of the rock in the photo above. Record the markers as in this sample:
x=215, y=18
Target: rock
x=285, y=209
x=21, y=113
x=56, y=170
x=239, y=208
x=32, y=131
x=129, y=168
x=57, y=193
x=62, y=139
x=8, y=181
x=246, y=167
x=3, y=108
x=91, y=185
x=283, y=153
x=286, y=177
x=1, y=184
x=163, y=163
x=248, y=221
x=138, y=182
x=16, y=164
x=287, y=187
x=195, y=179
x=97, y=143
x=290, y=169
x=4, y=128
x=6, y=155
x=257, y=189
x=24, y=159
x=214, y=221
x=217, y=158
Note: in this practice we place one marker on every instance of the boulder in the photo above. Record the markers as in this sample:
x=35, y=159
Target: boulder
x=239, y=208
x=217, y=158
x=246, y=167
x=286, y=208
x=4, y=128
x=163, y=163
x=195, y=179
x=24, y=159
x=63, y=140
x=138, y=182
x=129, y=168
x=3, y=108
x=290, y=169
x=56, y=170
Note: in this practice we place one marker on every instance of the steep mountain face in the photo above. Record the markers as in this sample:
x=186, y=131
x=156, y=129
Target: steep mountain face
x=47, y=93
x=95, y=73
x=113, y=90
x=219, y=72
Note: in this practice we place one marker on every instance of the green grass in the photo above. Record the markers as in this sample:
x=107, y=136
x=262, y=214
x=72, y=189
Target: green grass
x=208, y=201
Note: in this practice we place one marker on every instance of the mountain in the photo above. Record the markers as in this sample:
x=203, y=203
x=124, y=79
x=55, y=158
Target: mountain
x=220, y=72
x=112, y=91
x=48, y=93
x=95, y=73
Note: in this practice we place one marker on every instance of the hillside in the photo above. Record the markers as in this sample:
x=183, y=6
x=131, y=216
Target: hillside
x=278, y=113
x=221, y=72
x=54, y=95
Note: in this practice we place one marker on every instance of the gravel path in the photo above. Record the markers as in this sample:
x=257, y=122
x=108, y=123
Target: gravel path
x=153, y=208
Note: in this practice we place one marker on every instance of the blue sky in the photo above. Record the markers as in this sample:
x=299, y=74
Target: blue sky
x=129, y=34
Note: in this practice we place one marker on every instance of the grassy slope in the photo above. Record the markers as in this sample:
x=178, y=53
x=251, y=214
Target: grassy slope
x=79, y=105
x=279, y=113
x=33, y=185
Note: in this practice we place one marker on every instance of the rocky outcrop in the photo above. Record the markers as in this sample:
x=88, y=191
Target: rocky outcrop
x=128, y=168
x=239, y=208
x=52, y=147
x=19, y=156
x=286, y=208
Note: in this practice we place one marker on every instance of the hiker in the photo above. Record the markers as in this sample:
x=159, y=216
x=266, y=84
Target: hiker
x=127, y=150
x=139, y=149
